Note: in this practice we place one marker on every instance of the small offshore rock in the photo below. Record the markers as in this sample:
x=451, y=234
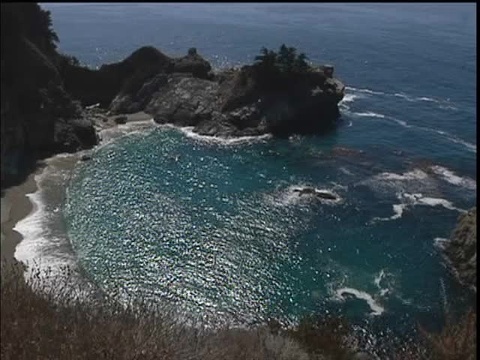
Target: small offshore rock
x=312, y=191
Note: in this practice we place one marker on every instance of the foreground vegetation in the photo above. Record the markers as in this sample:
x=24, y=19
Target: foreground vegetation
x=38, y=327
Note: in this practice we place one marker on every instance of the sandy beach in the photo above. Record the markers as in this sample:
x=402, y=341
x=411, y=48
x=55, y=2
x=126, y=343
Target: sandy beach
x=15, y=204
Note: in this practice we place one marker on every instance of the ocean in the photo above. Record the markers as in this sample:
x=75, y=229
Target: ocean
x=215, y=226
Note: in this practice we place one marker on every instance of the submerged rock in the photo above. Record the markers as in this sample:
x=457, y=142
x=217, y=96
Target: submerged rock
x=461, y=250
x=315, y=192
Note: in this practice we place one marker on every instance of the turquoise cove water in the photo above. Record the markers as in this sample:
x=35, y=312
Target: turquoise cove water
x=216, y=228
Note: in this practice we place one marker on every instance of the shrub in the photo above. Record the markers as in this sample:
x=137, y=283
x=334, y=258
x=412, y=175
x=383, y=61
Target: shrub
x=456, y=341
x=280, y=69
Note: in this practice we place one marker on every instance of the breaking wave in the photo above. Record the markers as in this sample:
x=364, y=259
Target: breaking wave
x=376, y=308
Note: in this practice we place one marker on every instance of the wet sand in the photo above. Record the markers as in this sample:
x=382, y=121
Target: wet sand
x=15, y=206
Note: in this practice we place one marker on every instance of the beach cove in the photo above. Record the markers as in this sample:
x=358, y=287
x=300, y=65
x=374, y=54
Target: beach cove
x=217, y=202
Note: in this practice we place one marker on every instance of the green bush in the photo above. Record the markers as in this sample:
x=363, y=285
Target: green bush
x=280, y=69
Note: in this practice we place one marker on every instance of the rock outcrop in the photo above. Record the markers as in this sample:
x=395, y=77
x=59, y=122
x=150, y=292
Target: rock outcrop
x=116, y=80
x=233, y=104
x=320, y=194
x=461, y=250
x=236, y=102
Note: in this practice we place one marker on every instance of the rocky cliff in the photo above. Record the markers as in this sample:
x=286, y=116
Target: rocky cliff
x=235, y=102
x=461, y=250
x=38, y=117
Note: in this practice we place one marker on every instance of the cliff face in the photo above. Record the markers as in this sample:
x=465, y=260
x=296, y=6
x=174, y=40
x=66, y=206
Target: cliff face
x=38, y=117
x=461, y=250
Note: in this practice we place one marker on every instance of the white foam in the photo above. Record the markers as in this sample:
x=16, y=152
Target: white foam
x=415, y=180
x=188, y=131
x=110, y=134
x=338, y=186
x=415, y=174
x=379, y=278
x=345, y=170
x=419, y=199
x=401, y=122
x=453, y=138
x=348, y=98
x=443, y=294
x=384, y=292
x=372, y=114
x=469, y=146
x=367, y=91
x=414, y=99
x=386, y=279
x=398, y=210
x=403, y=96
x=290, y=196
x=38, y=248
x=424, y=98
x=92, y=106
x=452, y=178
x=369, y=114
x=374, y=306
x=447, y=107
x=414, y=199
x=440, y=243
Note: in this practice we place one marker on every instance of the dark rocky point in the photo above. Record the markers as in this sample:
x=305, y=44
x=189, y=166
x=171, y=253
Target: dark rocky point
x=461, y=250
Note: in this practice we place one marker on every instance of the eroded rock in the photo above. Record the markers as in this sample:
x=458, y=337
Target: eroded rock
x=461, y=250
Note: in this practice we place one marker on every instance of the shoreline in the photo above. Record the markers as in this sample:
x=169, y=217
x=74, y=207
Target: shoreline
x=16, y=204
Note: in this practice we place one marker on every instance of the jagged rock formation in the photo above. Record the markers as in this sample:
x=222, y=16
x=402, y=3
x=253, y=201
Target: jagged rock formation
x=237, y=102
x=461, y=250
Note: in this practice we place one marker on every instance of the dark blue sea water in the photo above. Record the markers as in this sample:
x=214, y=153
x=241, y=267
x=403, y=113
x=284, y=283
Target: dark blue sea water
x=216, y=228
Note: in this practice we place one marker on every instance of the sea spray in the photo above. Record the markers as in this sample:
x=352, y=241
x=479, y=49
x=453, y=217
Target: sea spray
x=443, y=296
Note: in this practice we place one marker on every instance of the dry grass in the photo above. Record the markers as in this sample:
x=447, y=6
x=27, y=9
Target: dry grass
x=456, y=341
x=324, y=337
x=41, y=327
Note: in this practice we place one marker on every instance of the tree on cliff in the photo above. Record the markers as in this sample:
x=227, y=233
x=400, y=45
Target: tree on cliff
x=267, y=59
x=286, y=61
x=280, y=69
x=28, y=20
